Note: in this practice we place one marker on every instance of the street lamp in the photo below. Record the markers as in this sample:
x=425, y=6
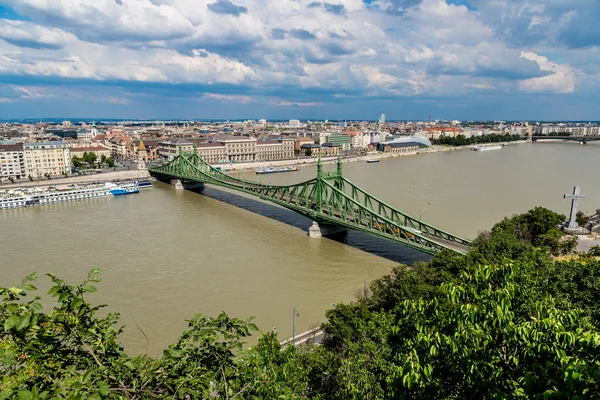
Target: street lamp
x=294, y=315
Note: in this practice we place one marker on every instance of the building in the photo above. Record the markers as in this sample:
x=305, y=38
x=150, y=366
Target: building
x=316, y=150
x=275, y=149
x=62, y=133
x=145, y=150
x=404, y=145
x=331, y=149
x=12, y=162
x=213, y=152
x=382, y=119
x=399, y=147
x=302, y=140
x=358, y=140
x=99, y=151
x=294, y=123
x=238, y=148
x=169, y=148
x=119, y=145
x=86, y=135
x=44, y=159
x=344, y=140
x=438, y=131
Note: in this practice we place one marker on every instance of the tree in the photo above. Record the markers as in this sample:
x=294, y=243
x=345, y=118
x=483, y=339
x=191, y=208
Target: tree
x=110, y=162
x=77, y=162
x=89, y=158
x=11, y=179
x=73, y=352
x=103, y=159
x=30, y=177
x=582, y=219
x=479, y=346
x=47, y=175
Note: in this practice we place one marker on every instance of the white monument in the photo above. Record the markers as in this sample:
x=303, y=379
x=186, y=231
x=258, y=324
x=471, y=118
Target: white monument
x=575, y=197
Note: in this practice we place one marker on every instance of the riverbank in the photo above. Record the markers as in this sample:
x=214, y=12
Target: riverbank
x=104, y=177
x=307, y=162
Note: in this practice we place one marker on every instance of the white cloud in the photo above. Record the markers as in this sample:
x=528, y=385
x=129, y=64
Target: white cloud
x=560, y=80
x=433, y=47
x=286, y=103
x=235, y=98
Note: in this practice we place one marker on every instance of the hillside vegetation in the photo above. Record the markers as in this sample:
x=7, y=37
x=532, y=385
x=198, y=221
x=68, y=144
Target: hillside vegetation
x=508, y=320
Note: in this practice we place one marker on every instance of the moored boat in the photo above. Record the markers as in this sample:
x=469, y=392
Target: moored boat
x=487, y=148
x=52, y=194
x=372, y=161
x=270, y=170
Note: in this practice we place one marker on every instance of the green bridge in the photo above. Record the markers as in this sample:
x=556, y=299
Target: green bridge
x=329, y=199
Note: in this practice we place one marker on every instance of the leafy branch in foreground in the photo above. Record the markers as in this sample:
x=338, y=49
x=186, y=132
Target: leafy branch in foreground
x=71, y=352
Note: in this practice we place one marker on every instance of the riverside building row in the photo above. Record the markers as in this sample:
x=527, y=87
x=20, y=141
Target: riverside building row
x=228, y=148
x=38, y=160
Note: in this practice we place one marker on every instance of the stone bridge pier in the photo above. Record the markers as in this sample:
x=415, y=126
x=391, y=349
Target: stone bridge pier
x=180, y=185
x=316, y=231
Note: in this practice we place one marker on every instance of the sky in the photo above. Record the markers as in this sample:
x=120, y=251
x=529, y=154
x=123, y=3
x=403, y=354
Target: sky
x=307, y=59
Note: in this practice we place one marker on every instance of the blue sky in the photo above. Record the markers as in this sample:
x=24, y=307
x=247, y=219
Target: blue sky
x=309, y=59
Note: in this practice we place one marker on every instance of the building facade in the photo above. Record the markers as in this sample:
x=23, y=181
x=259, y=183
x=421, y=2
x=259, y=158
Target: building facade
x=168, y=149
x=274, y=149
x=44, y=159
x=12, y=162
x=97, y=150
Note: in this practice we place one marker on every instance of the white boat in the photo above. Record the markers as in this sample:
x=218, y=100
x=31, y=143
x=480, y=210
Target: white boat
x=52, y=195
x=487, y=148
x=276, y=170
x=13, y=199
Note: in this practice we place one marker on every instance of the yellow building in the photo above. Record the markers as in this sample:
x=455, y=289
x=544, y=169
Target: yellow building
x=52, y=158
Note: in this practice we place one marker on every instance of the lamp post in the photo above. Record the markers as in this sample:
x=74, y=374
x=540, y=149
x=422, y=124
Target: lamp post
x=294, y=315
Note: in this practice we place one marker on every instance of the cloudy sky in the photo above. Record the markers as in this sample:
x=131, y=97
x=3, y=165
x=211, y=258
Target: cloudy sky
x=336, y=59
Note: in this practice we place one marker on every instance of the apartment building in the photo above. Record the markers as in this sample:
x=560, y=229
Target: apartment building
x=51, y=158
x=274, y=149
x=12, y=162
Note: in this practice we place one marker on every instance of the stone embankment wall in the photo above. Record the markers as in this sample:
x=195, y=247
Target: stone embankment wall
x=104, y=177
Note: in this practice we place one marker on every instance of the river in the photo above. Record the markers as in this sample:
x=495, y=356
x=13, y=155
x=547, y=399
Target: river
x=166, y=255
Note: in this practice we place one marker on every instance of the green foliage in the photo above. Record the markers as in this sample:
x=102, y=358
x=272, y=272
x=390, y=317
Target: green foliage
x=538, y=227
x=30, y=177
x=462, y=140
x=594, y=251
x=73, y=353
x=582, y=219
x=110, y=162
x=77, y=162
x=11, y=179
x=504, y=321
x=89, y=158
x=479, y=347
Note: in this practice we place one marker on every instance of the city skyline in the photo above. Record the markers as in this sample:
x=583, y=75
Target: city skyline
x=343, y=59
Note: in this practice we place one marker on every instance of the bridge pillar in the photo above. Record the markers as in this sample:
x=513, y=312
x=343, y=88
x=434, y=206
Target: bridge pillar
x=177, y=183
x=186, y=185
x=316, y=231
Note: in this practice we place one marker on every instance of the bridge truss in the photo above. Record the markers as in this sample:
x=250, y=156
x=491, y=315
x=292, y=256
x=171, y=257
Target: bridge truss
x=328, y=199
